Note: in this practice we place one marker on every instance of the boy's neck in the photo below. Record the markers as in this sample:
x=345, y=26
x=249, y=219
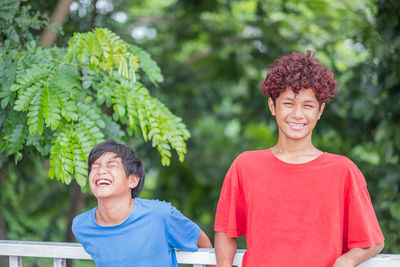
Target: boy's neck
x=112, y=212
x=295, y=152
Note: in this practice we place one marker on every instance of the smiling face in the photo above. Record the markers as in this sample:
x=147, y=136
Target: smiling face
x=296, y=114
x=107, y=178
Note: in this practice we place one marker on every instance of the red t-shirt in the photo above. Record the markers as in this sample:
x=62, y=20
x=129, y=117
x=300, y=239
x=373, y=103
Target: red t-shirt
x=296, y=214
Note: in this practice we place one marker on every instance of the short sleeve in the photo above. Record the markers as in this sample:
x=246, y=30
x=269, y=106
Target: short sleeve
x=182, y=232
x=231, y=211
x=75, y=228
x=80, y=225
x=361, y=225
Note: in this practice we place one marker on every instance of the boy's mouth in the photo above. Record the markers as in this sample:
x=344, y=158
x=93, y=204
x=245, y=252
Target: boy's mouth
x=103, y=181
x=296, y=125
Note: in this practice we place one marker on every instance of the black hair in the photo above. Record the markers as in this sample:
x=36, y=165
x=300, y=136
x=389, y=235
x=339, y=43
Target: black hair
x=131, y=161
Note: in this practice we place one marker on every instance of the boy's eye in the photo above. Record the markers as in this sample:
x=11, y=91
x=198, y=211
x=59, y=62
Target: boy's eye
x=308, y=106
x=288, y=104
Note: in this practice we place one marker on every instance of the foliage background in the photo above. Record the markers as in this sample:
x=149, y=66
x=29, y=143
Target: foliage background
x=213, y=55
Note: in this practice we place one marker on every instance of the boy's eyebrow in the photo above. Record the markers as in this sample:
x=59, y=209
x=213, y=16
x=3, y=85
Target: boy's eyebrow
x=114, y=159
x=288, y=98
x=292, y=99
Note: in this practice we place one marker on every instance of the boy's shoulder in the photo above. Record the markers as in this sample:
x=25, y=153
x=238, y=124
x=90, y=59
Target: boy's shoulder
x=252, y=155
x=153, y=205
x=83, y=220
x=85, y=216
x=337, y=159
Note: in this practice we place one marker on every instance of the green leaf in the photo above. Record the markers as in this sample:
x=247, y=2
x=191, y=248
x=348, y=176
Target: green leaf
x=148, y=65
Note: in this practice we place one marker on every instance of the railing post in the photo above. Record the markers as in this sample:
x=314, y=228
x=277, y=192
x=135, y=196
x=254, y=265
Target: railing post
x=59, y=262
x=15, y=261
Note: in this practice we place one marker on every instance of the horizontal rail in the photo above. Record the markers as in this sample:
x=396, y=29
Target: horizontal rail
x=60, y=251
x=43, y=249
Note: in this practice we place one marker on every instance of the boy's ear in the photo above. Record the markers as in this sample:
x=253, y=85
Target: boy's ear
x=271, y=106
x=133, y=181
x=321, y=109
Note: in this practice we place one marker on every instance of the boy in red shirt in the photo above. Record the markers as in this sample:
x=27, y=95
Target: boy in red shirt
x=296, y=205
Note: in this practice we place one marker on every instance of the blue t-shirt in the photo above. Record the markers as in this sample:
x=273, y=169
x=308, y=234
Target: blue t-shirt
x=146, y=238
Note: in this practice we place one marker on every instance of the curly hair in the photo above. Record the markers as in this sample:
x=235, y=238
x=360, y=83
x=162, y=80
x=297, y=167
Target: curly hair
x=298, y=71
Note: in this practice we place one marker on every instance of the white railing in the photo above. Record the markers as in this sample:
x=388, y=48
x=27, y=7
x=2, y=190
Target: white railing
x=15, y=250
x=59, y=252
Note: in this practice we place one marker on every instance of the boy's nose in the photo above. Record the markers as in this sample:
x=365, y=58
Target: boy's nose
x=102, y=170
x=297, y=113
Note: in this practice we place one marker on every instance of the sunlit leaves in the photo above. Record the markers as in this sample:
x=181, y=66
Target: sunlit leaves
x=68, y=156
x=104, y=50
x=148, y=65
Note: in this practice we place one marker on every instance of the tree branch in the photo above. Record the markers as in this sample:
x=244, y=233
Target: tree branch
x=59, y=15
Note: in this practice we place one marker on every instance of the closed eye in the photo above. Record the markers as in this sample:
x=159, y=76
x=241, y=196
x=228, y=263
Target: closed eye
x=113, y=164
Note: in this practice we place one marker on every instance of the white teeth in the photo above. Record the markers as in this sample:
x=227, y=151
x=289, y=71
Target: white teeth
x=103, y=182
x=297, y=125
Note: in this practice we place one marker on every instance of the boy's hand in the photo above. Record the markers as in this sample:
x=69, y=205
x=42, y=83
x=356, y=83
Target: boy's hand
x=343, y=261
x=355, y=256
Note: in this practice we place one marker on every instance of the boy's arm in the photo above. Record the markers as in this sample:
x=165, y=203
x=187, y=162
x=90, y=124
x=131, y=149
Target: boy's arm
x=355, y=256
x=203, y=241
x=225, y=248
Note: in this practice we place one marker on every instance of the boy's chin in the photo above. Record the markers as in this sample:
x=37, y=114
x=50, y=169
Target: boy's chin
x=101, y=194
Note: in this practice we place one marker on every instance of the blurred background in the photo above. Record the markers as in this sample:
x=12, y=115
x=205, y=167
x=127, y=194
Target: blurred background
x=213, y=55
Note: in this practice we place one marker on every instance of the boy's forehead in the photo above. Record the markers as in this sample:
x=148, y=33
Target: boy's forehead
x=303, y=93
x=108, y=156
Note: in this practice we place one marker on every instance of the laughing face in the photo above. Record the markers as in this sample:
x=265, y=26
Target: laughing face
x=296, y=114
x=108, y=179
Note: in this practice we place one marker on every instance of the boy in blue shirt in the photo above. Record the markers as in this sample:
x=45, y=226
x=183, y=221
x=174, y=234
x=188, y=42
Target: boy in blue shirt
x=124, y=230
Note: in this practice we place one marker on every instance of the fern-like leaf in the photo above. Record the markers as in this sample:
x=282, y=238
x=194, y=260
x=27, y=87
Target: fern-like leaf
x=13, y=134
x=61, y=156
x=133, y=105
x=34, y=75
x=103, y=49
x=147, y=64
x=51, y=108
x=35, y=114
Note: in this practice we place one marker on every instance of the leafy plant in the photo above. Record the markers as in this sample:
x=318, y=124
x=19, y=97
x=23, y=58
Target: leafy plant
x=58, y=101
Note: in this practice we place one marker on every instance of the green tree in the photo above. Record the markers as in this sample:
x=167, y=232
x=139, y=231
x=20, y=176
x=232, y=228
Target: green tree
x=373, y=115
